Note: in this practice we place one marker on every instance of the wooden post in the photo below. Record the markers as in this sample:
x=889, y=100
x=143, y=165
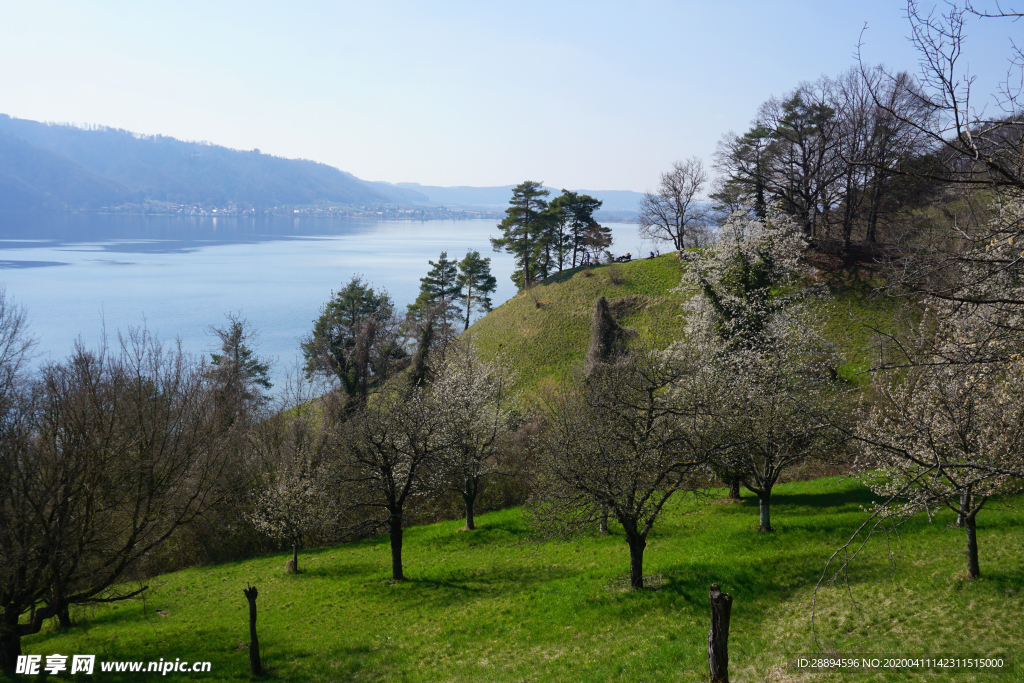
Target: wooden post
x=718, y=636
x=254, y=642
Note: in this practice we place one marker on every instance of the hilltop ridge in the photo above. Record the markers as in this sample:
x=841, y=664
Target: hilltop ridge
x=47, y=166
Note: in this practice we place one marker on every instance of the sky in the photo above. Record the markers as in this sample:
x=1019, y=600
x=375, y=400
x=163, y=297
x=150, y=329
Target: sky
x=584, y=95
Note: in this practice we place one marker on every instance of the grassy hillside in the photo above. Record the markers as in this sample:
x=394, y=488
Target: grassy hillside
x=544, y=332
x=492, y=606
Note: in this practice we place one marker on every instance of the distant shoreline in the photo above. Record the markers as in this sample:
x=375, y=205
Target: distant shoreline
x=417, y=213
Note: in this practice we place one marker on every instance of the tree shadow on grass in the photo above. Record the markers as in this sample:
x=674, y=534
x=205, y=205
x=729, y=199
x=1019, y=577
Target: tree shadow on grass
x=757, y=587
x=354, y=667
x=814, y=502
x=780, y=578
x=494, y=582
x=490, y=532
x=339, y=568
x=1004, y=578
x=565, y=275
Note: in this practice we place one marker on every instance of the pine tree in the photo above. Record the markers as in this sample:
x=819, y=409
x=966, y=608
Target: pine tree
x=239, y=372
x=439, y=290
x=521, y=230
x=559, y=241
x=476, y=283
x=581, y=230
x=354, y=338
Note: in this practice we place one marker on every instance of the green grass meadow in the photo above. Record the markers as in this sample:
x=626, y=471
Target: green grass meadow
x=492, y=605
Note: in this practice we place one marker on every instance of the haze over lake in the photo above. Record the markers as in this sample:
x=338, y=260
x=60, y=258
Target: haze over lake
x=79, y=273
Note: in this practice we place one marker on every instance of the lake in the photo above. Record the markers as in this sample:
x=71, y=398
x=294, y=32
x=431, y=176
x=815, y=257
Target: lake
x=78, y=274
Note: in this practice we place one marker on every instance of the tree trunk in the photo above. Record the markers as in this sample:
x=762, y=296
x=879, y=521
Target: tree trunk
x=764, y=498
x=469, y=497
x=848, y=214
x=10, y=645
x=965, y=505
x=527, y=280
x=636, y=561
x=254, y=643
x=64, y=617
x=877, y=191
x=295, y=557
x=718, y=635
x=11, y=632
x=734, y=489
x=972, y=547
x=395, y=524
x=603, y=525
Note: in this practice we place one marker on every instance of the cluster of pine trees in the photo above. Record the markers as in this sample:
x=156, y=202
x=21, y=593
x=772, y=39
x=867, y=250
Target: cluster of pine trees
x=547, y=237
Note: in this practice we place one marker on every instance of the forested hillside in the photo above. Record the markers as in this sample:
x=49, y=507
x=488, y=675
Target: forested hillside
x=32, y=178
x=165, y=169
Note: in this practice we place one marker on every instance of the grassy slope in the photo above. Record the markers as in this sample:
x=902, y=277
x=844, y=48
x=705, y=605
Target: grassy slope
x=491, y=606
x=544, y=333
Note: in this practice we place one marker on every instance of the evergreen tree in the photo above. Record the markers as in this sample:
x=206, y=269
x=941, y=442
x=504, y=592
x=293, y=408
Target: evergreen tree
x=354, y=338
x=420, y=372
x=521, y=230
x=584, y=231
x=559, y=242
x=745, y=160
x=439, y=290
x=476, y=283
x=239, y=373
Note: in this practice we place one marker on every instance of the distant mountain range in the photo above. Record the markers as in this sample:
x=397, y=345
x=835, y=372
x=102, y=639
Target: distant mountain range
x=497, y=197
x=51, y=166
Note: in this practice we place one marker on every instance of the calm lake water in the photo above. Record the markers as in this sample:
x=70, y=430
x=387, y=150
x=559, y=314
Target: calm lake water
x=78, y=274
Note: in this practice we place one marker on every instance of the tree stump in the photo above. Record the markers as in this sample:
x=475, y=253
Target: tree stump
x=718, y=636
x=254, y=642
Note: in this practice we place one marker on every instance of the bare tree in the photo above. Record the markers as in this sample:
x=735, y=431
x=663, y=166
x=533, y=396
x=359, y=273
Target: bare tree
x=974, y=145
x=674, y=213
x=622, y=442
x=15, y=345
x=972, y=271
x=105, y=457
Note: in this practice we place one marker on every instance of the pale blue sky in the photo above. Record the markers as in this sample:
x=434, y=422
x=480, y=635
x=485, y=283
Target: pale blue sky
x=596, y=95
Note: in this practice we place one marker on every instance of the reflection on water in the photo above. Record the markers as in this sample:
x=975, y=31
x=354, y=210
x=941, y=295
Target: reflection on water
x=184, y=273
x=29, y=264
